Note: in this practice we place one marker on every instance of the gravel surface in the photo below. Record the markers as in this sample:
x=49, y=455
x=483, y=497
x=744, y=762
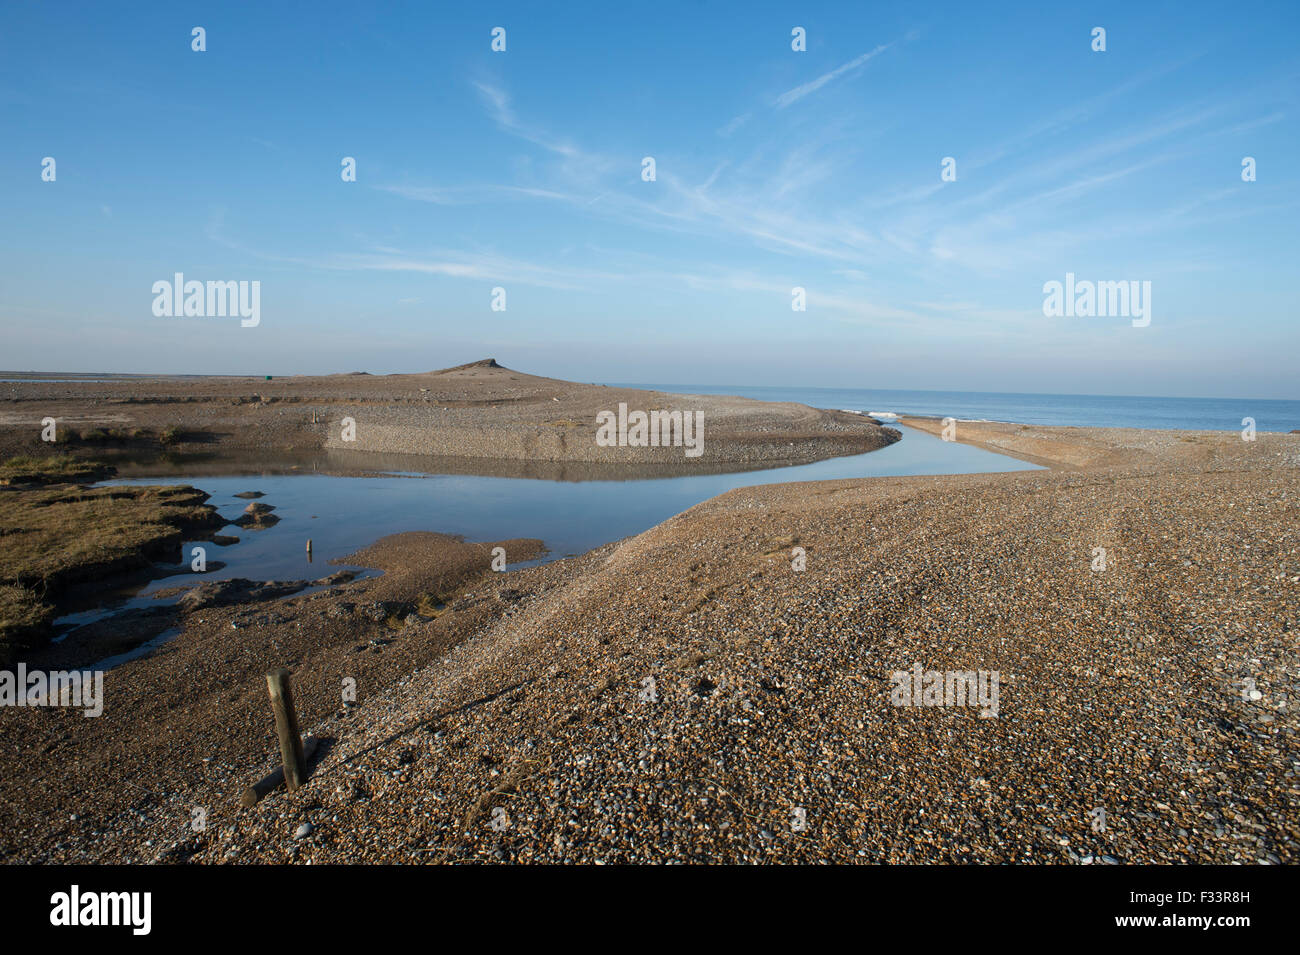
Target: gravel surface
x=476, y=411
x=687, y=695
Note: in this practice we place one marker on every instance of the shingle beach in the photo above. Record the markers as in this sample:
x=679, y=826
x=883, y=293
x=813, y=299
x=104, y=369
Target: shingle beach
x=689, y=695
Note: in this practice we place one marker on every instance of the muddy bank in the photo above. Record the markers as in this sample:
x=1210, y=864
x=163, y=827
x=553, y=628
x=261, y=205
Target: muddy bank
x=193, y=711
x=55, y=538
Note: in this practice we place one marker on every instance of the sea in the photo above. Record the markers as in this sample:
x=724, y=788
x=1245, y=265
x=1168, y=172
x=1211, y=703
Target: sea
x=1103, y=411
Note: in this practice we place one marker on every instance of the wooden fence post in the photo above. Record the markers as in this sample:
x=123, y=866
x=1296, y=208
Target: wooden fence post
x=252, y=794
x=286, y=726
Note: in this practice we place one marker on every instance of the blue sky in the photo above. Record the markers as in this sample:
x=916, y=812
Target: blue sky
x=775, y=169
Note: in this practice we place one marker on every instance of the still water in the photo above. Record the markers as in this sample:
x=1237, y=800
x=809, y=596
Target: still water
x=344, y=514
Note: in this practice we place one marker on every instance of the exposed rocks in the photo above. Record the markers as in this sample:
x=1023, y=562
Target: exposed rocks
x=257, y=516
x=221, y=593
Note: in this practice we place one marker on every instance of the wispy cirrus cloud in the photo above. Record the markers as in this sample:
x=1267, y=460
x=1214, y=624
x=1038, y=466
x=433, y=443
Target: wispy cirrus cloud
x=812, y=86
x=848, y=238
x=734, y=124
x=465, y=195
x=499, y=103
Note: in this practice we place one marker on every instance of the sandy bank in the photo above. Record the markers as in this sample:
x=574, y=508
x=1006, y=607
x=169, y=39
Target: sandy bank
x=1090, y=447
x=472, y=412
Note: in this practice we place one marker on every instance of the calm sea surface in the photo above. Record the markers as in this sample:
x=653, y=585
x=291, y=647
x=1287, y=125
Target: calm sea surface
x=1106, y=411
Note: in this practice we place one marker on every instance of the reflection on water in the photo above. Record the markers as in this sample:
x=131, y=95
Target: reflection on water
x=344, y=514
x=341, y=514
